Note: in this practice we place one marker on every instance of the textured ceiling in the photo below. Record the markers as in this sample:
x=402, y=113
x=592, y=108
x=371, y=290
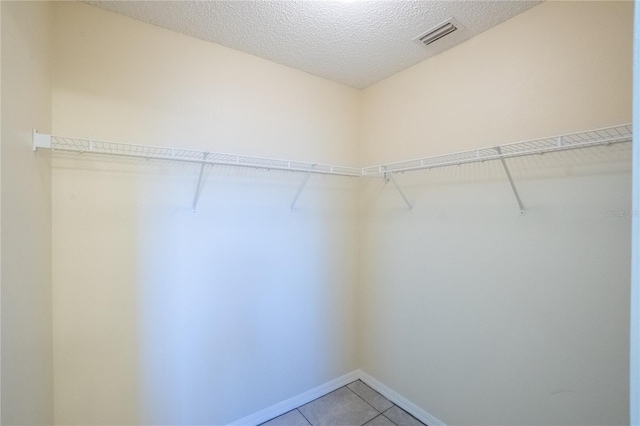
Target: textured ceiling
x=357, y=43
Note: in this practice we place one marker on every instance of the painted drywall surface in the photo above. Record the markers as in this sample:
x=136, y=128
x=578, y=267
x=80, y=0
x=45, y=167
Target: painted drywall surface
x=163, y=316
x=201, y=94
x=634, y=353
x=527, y=78
x=476, y=314
x=27, y=370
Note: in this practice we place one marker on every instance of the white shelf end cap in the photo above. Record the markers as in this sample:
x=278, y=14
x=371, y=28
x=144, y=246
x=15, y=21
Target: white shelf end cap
x=40, y=140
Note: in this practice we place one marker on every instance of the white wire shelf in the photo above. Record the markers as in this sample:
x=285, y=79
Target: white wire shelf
x=604, y=136
x=67, y=144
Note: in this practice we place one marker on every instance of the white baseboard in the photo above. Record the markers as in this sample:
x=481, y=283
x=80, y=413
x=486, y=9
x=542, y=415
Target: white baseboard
x=296, y=401
x=399, y=400
x=308, y=396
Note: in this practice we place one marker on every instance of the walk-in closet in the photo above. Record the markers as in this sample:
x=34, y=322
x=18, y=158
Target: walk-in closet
x=339, y=213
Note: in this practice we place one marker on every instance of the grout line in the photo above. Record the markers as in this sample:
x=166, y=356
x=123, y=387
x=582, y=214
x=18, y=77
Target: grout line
x=379, y=416
x=277, y=417
x=303, y=415
x=321, y=396
x=360, y=380
x=380, y=413
x=389, y=419
x=406, y=412
x=347, y=388
x=394, y=405
x=376, y=410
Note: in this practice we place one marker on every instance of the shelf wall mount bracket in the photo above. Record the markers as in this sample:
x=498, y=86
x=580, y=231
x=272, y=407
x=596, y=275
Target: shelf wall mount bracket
x=199, y=185
x=301, y=187
x=389, y=177
x=523, y=210
x=40, y=140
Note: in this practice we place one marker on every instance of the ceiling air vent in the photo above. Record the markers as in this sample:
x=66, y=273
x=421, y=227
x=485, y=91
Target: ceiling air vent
x=439, y=31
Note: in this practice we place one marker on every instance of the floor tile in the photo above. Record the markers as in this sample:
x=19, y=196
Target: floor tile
x=401, y=417
x=292, y=418
x=374, y=399
x=381, y=420
x=340, y=407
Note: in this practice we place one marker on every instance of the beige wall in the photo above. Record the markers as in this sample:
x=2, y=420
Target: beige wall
x=163, y=316
x=27, y=371
x=634, y=379
x=165, y=87
x=474, y=313
x=544, y=72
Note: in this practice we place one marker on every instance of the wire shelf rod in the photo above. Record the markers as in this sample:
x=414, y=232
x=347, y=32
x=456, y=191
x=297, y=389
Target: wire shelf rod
x=82, y=146
x=591, y=138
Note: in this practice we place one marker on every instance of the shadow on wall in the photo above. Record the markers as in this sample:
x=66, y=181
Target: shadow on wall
x=518, y=319
x=598, y=161
x=213, y=315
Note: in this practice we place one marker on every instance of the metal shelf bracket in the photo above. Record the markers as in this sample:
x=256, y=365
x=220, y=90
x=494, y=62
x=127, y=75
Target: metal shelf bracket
x=301, y=187
x=40, y=140
x=523, y=211
x=389, y=177
x=199, y=186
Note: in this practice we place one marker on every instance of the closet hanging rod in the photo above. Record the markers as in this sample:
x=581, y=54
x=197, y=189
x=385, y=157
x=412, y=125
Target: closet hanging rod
x=603, y=136
x=82, y=146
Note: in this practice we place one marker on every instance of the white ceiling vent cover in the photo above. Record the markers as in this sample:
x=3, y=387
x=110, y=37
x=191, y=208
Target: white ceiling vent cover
x=439, y=31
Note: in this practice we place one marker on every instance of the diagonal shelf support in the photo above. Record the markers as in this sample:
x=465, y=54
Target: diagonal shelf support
x=199, y=186
x=301, y=187
x=513, y=185
x=389, y=176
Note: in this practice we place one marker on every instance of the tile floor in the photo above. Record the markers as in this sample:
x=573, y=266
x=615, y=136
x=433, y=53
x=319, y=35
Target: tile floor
x=353, y=405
